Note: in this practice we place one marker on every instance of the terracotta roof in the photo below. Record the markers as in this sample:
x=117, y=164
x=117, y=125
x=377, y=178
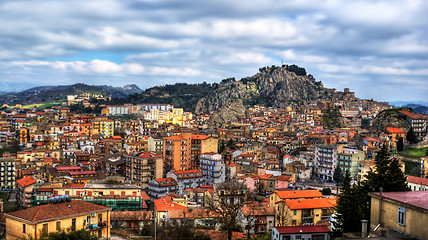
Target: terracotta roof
x=166, y=181
x=187, y=173
x=299, y=194
x=200, y=137
x=166, y=203
x=27, y=181
x=311, y=203
x=394, y=130
x=176, y=137
x=417, y=180
x=55, y=211
x=145, y=196
x=283, y=178
x=67, y=168
x=303, y=229
x=82, y=173
x=265, y=177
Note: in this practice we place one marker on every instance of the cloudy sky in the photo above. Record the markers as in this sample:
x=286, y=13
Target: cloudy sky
x=379, y=49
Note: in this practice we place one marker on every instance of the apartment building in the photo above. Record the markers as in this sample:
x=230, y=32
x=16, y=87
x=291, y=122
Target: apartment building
x=104, y=127
x=186, y=179
x=213, y=168
x=306, y=211
x=118, y=196
x=143, y=168
x=417, y=121
x=160, y=187
x=7, y=173
x=325, y=162
x=182, y=152
x=348, y=159
x=25, y=190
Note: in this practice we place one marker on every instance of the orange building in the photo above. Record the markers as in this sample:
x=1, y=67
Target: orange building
x=182, y=152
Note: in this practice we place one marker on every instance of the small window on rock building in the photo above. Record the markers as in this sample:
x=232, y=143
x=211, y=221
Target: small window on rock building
x=23, y=228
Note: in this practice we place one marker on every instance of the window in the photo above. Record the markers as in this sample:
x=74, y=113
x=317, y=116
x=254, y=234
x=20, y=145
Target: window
x=295, y=212
x=23, y=228
x=293, y=223
x=58, y=226
x=45, y=228
x=401, y=216
x=73, y=224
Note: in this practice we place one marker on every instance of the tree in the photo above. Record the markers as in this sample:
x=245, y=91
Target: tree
x=349, y=206
x=387, y=174
x=283, y=215
x=338, y=175
x=400, y=144
x=411, y=136
x=227, y=201
x=326, y=191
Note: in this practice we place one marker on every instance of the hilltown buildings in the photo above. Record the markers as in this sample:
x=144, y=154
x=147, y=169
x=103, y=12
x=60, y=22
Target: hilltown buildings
x=157, y=156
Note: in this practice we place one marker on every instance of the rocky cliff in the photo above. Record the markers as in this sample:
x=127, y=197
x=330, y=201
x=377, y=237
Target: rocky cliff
x=272, y=86
x=389, y=118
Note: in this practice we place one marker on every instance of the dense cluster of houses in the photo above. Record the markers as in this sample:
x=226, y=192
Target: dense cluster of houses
x=163, y=164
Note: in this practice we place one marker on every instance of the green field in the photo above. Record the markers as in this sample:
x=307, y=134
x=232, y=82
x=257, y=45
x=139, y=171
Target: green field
x=414, y=152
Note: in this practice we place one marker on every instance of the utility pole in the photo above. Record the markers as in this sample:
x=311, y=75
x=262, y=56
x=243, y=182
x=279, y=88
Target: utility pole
x=380, y=206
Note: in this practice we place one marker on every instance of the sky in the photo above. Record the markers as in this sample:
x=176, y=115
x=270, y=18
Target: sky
x=378, y=49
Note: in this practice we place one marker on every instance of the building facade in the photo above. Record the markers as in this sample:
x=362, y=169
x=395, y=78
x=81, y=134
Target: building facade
x=213, y=168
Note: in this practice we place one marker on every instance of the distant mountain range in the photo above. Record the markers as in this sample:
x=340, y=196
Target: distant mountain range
x=417, y=106
x=45, y=94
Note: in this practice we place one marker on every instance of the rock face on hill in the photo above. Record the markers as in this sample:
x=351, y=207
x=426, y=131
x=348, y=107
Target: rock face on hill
x=273, y=86
x=231, y=112
x=388, y=118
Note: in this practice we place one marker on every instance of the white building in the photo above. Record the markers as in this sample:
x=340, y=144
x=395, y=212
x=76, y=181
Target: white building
x=186, y=179
x=213, y=168
x=325, y=162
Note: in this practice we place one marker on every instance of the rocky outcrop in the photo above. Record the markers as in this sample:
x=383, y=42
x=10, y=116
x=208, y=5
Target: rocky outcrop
x=273, y=86
x=388, y=118
x=231, y=112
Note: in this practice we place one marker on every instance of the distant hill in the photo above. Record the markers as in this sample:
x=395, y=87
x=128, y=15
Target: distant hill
x=45, y=94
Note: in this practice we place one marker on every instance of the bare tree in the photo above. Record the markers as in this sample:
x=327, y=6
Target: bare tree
x=227, y=200
x=282, y=215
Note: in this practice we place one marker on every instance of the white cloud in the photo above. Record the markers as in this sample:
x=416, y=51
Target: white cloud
x=155, y=42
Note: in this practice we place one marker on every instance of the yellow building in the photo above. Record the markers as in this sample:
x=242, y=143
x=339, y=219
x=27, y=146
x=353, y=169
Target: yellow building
x=104, y=127
x=406, y=212
x=424, y=166
x=167, y=204
x=304, y=211
x=31, y=223
x=299, y=194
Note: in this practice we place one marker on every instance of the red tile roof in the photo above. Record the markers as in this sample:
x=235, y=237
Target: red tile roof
x=176, y=137
x=82, y=173
x=417, y=180
x=303, y=229
x=394, y=130
x=413, y=115
x=51, y=212
x=166, y=203
x=67, y=168
x=27, y=181
x=311, y=203
x=299, y=194
x=166, y=181
x=187, y=173
x=200, y=137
